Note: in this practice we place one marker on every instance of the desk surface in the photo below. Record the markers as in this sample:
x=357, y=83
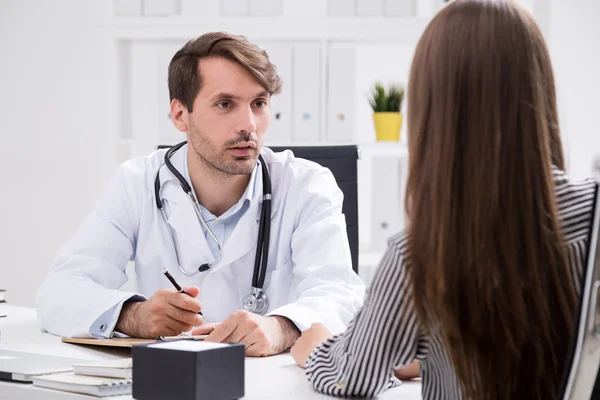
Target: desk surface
x=276, y=377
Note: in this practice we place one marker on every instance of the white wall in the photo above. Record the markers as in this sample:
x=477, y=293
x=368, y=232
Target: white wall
x=54, y=154
x=575, y=50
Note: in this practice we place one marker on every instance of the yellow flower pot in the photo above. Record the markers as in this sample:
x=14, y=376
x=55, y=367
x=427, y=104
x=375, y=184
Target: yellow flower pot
x=387, y=126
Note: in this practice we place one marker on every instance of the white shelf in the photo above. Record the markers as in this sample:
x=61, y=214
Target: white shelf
x=401, y=30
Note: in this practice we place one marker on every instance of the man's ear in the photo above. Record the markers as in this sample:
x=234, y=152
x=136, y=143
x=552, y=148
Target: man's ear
x=179, y=115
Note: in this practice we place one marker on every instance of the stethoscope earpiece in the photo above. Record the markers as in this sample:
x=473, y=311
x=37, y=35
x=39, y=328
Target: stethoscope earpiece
x=257, y=301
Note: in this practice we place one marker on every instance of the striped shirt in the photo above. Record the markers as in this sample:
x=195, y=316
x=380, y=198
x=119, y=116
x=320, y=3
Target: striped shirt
x=386, y=334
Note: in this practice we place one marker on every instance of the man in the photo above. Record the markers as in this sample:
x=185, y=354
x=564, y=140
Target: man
x=220, y=87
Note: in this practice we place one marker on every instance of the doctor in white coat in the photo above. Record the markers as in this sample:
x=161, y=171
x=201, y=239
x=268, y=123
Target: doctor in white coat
x=220, y=87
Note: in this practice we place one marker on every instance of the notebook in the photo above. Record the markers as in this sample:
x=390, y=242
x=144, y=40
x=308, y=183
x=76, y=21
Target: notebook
x=22, y=367
x=127, y=341
x=92, y=385
x=110, y=369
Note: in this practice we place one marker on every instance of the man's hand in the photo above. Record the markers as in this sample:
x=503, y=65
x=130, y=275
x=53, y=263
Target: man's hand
x=309, y=340
x=166, y=313
x=262, y=336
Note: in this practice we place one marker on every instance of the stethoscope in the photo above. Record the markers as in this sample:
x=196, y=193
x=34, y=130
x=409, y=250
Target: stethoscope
x=256, y=301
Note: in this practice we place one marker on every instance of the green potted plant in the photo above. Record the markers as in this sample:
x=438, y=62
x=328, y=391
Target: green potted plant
x=386, y=106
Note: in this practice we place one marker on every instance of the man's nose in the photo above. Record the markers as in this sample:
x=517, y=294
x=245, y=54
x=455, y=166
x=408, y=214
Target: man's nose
x=246, y=121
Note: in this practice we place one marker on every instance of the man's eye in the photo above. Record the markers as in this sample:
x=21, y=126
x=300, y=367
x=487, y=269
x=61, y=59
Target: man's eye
x=261, y=103
x=223, y=105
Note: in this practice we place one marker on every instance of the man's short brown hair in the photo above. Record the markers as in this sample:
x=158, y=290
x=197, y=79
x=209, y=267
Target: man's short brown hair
x=185, y=79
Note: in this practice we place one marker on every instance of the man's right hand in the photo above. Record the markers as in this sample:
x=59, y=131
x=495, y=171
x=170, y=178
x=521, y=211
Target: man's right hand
x=166, y=313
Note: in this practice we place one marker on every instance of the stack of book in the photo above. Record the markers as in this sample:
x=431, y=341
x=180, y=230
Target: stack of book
x=101, y=379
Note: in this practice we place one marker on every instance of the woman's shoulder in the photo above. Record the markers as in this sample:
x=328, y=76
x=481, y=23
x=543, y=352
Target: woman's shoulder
x=575, y=202
x=393, y=262
x=566, y=185
x=399, y=242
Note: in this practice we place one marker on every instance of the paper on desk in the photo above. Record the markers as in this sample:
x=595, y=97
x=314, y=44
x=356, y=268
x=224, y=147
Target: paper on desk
x=189, y=345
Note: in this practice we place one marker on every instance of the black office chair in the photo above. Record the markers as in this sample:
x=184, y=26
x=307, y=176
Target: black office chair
x=342, y=162
x=580, y=380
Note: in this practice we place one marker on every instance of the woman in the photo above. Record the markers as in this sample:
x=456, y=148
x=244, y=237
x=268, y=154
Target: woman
x=482, y=288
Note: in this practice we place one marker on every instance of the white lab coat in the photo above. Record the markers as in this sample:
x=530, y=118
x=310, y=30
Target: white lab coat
x=309, y=276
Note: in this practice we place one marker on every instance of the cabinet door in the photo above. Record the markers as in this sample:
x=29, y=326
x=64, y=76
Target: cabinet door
x=369, y=8
x=128, y=8
x=341, y=8
x=264, y=8
x=386, y=211
x=234, y=8
x=160, y=8
x=399, y=8
x=304, y=8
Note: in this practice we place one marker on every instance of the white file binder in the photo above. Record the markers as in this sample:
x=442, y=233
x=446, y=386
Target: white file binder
x=369, y=8
x=128, y=8
x=306, y=97
x=234, y=8
x=399, y=8
x=167, y=133
x=341, y=8
x=341, y=93
x=160, y=8
x=265, y=8
x=280, y=131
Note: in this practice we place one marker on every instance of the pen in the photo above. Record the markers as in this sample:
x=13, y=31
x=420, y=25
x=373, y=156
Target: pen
x=174, y=282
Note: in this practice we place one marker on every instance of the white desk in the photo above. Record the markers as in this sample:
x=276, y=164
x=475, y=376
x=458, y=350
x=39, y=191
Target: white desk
x=276, y=377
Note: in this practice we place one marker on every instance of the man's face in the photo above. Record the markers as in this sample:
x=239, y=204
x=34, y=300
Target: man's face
x=230, y=116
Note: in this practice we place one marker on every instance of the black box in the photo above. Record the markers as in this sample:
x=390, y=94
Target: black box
x=188, y=369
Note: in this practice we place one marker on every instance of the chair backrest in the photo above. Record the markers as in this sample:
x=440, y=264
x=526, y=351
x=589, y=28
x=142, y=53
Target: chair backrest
x=581, y=370
x=342, y=162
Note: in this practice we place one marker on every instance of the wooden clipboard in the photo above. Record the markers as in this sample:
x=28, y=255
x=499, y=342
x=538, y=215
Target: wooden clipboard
x=128, y=342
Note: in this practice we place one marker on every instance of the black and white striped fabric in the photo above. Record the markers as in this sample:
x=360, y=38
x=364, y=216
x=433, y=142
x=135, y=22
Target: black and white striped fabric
x=386, y=334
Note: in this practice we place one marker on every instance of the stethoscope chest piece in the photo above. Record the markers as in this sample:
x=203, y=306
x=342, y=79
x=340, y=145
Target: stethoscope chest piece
x=256, y=302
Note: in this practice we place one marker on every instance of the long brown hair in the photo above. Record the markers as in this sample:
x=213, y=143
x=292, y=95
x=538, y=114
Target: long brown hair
x=486, y=252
